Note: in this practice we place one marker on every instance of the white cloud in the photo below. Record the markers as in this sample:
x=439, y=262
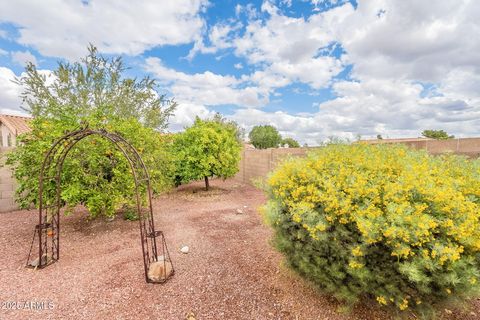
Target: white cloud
x=185, y=114
x=248, y=9
x=238, y=66
x=9, y=92
x=283, y=47
x=218, y=36
x=3, y=52
x=23, y=57
x=284, y=39
x=394, y=46
x=206, y=88
x=67, y=27
x=411, y=39
x=390, y=108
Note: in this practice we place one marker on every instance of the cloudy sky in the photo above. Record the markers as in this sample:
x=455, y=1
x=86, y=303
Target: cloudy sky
x=313, y=69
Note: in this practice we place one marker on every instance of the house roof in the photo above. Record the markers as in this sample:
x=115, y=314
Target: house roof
x=16, y=124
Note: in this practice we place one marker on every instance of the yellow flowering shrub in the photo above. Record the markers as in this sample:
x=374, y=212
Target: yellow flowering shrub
x=381, y=221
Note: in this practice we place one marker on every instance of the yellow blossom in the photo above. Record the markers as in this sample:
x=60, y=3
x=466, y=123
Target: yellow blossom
x=382, y=300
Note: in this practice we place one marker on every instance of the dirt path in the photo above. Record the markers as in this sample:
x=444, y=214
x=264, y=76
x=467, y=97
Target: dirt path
x=231, y=271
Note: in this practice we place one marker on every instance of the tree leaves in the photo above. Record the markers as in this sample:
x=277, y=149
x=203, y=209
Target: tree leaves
x=263, y=137
x=207, y=149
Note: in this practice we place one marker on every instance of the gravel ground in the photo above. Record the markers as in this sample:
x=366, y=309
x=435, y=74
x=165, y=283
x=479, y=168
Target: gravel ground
x=231, y=271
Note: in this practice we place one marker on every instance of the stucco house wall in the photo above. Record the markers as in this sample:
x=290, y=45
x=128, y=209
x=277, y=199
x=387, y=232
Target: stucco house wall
x=10, y=128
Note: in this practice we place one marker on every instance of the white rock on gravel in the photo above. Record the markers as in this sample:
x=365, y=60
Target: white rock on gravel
x=185, y=249
x=239, y=211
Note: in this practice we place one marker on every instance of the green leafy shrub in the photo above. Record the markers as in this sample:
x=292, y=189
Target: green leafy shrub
x=209, y=148
x=385, y=222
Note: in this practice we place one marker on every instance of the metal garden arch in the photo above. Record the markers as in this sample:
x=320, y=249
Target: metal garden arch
x=48, y=228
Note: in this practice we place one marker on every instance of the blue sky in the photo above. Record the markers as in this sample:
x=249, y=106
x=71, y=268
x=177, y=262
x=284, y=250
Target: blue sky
x=314, y=69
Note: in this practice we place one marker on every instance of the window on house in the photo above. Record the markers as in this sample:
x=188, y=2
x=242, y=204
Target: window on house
x=9, y=140
x=1, y=136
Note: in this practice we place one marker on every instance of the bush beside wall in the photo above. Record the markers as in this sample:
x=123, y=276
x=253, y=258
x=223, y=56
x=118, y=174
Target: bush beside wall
x=382, y=222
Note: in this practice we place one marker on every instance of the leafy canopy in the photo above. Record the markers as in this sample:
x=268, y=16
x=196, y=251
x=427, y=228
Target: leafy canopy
x=290, y=143
x=94, y=86
x=96, y=93
x=206, y=149
x=436, y=134
x=266, y=136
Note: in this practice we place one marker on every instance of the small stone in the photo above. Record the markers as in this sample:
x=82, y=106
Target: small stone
x=473, y=313
x=239, y=211
x=190, y=316
x=185, y=249
x=447, y=311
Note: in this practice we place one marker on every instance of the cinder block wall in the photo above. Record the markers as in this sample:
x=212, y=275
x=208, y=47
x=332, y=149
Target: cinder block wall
x=256, y=164
x=7, y=185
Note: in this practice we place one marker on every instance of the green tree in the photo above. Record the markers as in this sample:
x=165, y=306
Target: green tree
x=290, y=143
x=209, y=148
x=436, y=134
x=92, y=92
x=266, y=136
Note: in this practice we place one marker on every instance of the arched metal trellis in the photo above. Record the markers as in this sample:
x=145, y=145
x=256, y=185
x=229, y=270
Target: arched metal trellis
x=156, y=258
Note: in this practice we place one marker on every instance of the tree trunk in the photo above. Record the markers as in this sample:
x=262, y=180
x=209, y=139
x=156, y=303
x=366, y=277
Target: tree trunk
x=207, y=185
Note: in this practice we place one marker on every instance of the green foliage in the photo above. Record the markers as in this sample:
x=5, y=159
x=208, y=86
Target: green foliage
x=130, y=214
x=436, y=134
x=95, y=174
x=381, y=221
x=266, y=136
x=206, y=149
x=290, y=143
x=94, y=86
